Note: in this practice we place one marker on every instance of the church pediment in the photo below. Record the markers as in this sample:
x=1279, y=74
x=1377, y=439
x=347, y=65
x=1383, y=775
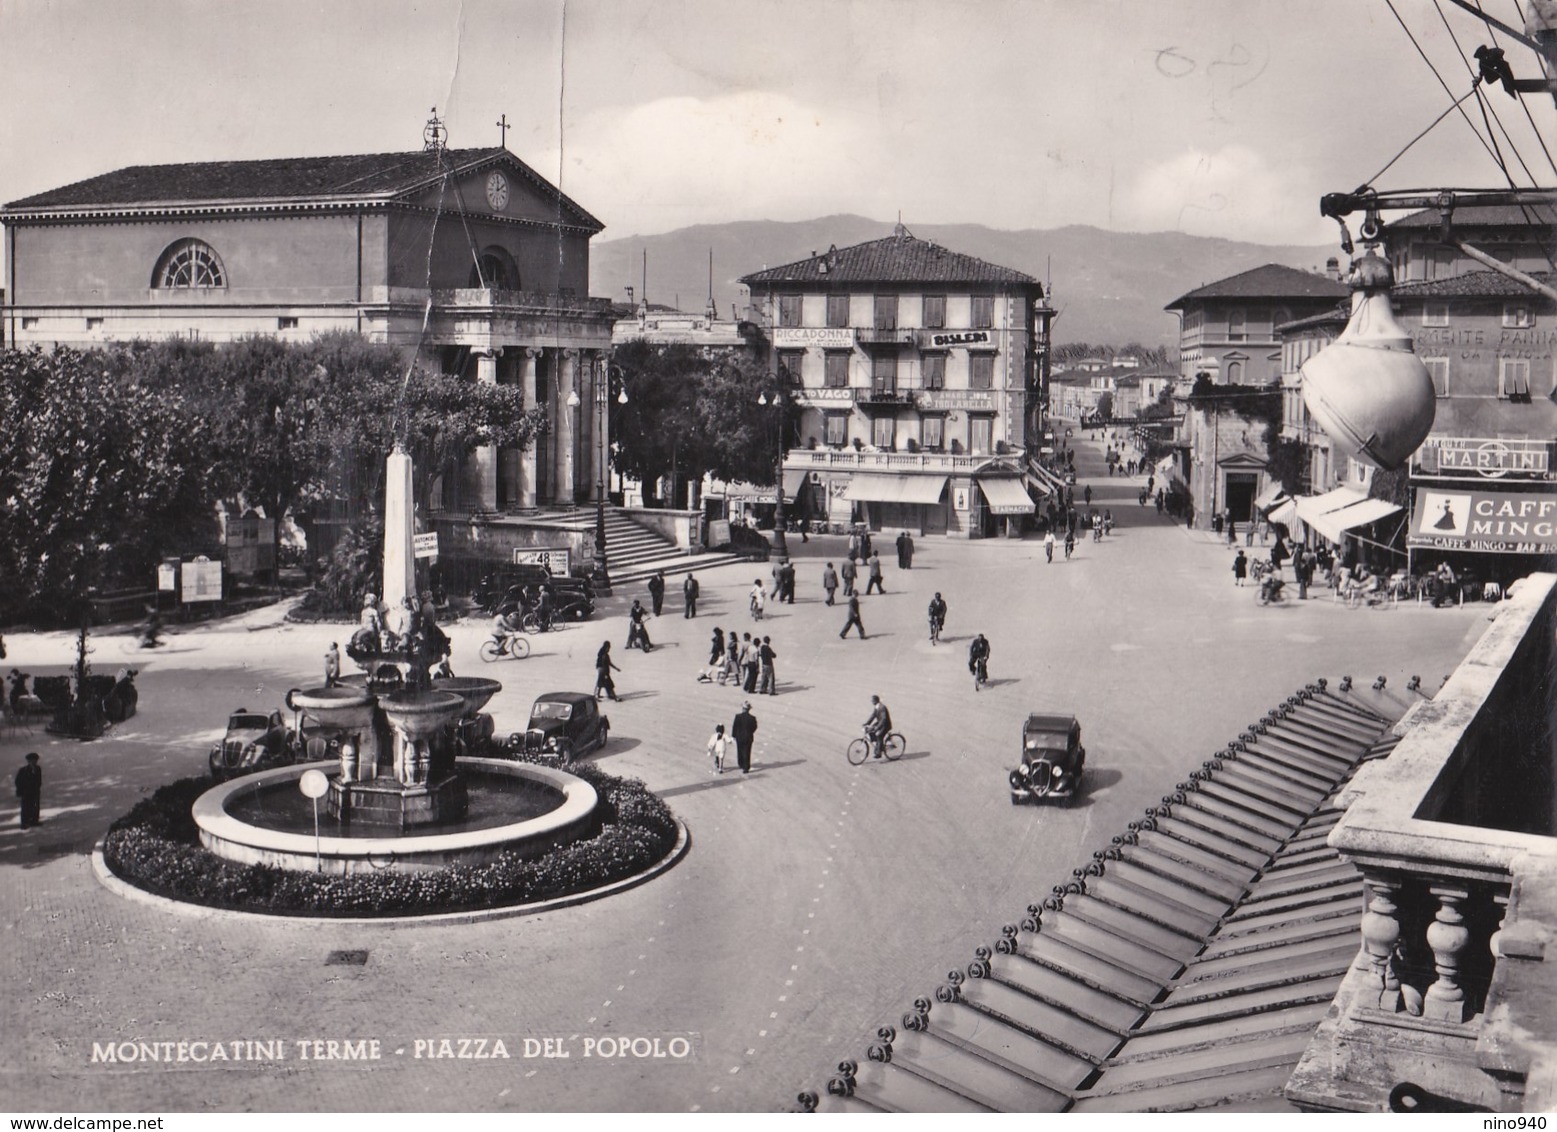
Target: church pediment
x=504, y=188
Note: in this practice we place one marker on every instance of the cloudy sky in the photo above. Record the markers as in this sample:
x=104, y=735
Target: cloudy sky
x=1214, y=117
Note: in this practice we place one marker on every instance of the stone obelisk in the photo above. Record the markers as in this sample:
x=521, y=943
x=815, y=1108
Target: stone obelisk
x=399, y=526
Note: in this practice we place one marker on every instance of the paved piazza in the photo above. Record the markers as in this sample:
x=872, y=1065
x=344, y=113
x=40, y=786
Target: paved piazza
x=817, y=899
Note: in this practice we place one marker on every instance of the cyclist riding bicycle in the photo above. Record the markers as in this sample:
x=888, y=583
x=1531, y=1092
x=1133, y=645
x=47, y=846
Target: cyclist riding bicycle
x=507, y=625
x=978, y=661
x=937, y=617
x=877, y=726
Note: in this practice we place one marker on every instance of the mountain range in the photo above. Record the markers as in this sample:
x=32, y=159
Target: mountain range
x=1109, y=287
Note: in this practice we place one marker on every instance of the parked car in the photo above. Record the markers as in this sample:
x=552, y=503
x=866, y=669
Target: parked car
x=562, y=723
x=1053, y=760
x=254, y=741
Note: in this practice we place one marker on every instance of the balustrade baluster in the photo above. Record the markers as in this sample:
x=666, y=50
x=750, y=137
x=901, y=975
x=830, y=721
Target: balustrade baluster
x=1380, y=933
x=1448, y=937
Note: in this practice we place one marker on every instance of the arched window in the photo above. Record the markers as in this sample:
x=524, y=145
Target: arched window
x=1234, y=373
x=189, y=264
x=498, y=271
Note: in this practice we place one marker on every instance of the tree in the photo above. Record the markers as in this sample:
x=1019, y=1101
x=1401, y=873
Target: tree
x=1105, y=405
x=99, y=478
x=692, y=412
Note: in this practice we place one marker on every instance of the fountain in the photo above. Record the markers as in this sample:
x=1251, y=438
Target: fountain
x=406, y=747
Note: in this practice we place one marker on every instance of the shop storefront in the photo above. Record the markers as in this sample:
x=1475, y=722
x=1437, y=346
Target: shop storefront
x=1487, y=507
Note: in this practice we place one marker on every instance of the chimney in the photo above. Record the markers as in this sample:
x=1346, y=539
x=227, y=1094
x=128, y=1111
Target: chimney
x=1333, y=268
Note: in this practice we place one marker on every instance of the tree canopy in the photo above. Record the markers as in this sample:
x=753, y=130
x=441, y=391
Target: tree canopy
x=118, y=457
x=693, y=412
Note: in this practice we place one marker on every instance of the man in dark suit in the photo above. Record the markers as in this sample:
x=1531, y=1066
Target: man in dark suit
x=29, y=788
x=743, y=730
x=689, y=589
x=657, y=591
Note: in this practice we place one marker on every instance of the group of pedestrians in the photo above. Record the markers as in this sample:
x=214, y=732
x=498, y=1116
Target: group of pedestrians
x=743, y=661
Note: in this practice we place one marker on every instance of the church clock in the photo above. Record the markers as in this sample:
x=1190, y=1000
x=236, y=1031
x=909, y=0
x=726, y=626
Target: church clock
x=497, y=191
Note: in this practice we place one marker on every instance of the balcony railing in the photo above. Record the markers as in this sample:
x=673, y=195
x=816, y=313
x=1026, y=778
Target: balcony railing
x=884, y=336
x=808, y=459
x=1442, y=830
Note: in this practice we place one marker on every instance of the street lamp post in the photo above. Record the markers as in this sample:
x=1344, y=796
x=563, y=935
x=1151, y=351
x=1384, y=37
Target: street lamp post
x=780, y=544
x=602, y=397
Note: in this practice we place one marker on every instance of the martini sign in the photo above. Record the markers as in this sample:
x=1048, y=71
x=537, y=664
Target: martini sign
x=1492, y=459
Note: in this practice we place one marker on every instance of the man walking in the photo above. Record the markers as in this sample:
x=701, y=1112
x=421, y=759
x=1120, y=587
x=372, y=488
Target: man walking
x=787, y=583
x=689, y=591
x=767, y=676
x=604, y=666
x=332, y=665
x=829, y=581
x=854, y=618
x=850, y=572
x=657, y=591
x=751, y=660
x=743, y=729
x=875, y=575
x=29, y=788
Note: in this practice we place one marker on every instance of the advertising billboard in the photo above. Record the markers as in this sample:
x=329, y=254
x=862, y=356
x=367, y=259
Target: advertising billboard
x=1492, y=522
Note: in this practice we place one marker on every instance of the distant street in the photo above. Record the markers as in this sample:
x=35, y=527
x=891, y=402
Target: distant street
x=817, y=899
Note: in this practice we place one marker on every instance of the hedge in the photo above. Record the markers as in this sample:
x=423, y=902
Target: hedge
x=156, y=847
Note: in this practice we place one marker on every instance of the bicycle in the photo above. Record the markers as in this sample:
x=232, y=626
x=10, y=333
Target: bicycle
x=1358, y=594
x=512, y=646
x=891, y=748
x=980, y=673
x=935, y=630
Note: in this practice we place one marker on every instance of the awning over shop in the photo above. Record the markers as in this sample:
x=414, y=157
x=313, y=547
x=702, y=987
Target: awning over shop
x=1311, y=507
x=1334, y=524
x=742, y=492
x=794, y=480
x=1039, y=475
x=1006, y=496
x=865, y=487
x=1285, y=513
x=1270, y=497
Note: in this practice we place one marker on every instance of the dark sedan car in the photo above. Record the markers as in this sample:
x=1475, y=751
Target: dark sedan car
x=1053, y=759
x=563, y=723
x=254, y=741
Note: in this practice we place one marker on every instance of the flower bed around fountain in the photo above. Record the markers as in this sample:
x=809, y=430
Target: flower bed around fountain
x=156, y=847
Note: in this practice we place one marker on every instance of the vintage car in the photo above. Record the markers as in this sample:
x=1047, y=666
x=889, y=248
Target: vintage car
x=562, y=723
x=1053, y=759
x=254, y=741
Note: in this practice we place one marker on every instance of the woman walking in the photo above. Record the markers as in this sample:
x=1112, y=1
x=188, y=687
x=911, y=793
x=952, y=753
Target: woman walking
x=603, y=667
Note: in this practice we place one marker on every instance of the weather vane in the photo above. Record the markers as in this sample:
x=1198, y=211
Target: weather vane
x=435, y=136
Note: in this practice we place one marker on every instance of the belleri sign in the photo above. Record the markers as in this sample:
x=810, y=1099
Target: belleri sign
x=1492, y=522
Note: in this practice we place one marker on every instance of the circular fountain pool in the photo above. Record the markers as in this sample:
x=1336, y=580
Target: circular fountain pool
x=515, y=807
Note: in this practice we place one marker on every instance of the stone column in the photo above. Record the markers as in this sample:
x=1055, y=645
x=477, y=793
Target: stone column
x=1380, y=933
x=1448, y=937
x=483, y=478
x=399, y=526
x=524, y=487
x=567, y=430
x=594, y=441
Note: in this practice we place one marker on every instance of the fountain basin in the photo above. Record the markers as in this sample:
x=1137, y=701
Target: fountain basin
x=475, y=690
x=421, y=715
x=248, y=843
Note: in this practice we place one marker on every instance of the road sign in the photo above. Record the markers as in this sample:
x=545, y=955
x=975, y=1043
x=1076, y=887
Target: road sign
x=426, y=546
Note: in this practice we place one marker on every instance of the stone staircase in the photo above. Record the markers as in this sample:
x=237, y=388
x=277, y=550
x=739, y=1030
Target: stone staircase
x=634, y=552
x=1185, y=968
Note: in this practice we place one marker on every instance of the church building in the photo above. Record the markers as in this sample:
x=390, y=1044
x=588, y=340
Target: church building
x=466, y=257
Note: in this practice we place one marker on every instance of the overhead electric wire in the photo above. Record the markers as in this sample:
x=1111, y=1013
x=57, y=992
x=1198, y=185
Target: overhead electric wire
x=1449, y=110
x=1523, y=105
x=1432, y=67
x=1485, y=104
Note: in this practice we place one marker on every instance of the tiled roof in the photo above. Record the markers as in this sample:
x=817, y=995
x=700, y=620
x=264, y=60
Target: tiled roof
x=349, y=177
x=1471, y=285
x=900, y=258
x=1273, y=281
x=1484, y=215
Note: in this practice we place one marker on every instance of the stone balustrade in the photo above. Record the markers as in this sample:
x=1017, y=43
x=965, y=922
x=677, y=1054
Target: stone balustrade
x=1449, y=832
